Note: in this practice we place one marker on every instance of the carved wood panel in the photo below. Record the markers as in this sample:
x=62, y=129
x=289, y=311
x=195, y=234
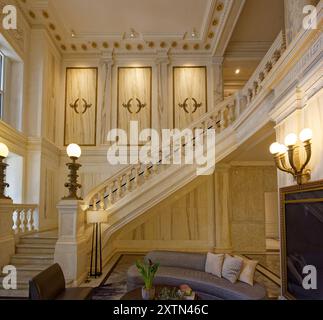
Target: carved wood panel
x=190, y=95
x=134, y=97
x=81, y=106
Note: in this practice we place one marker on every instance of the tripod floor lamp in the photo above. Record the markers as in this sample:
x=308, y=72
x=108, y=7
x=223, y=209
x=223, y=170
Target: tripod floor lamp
x=96, y=218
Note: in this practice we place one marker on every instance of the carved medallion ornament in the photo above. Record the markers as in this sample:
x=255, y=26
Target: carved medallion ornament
x=185, y=106
x=75, y=105
x=128, y=105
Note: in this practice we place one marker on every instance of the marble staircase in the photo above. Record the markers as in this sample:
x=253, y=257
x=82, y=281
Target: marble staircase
x=34, y=253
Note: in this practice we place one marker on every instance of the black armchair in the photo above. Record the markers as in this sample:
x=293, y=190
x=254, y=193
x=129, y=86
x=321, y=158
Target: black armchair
x=50, y=285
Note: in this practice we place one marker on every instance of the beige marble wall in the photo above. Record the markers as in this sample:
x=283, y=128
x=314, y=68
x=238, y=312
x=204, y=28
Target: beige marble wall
x=223, y=212
x=184, y=221
x=248, y=186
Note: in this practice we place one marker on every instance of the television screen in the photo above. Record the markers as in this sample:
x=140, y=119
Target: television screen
x=303, y=243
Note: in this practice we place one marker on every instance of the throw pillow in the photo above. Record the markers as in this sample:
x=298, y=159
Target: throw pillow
x=231, y=268
x=248, y=271
x=214, y=263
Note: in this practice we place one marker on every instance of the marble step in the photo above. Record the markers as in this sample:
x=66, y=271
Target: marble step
x=38, y=240
x=31, y=270
x=36, y=248
x=34, y=259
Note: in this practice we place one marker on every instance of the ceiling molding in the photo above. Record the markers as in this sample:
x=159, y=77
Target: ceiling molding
x=43, y=13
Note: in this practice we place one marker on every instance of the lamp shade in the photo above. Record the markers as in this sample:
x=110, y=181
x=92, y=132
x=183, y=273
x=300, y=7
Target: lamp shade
x=4, y=151
x=98, y=216
x=74, y=150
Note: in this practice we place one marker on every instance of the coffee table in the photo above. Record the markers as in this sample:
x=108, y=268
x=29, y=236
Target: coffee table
x=136, y=293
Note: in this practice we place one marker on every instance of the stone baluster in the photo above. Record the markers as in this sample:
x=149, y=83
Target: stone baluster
x=218, y=122
x=268, y=67
x=276, y=57
x=95, y=208
x=146, y=172
x=137, y=175
x=232, y=113
x=115, y=191
x=128, y=182
x=109, y=193
x=224, y=119
x=23, y=221
x=102, y=201
x=255, y=88
x=120, y=188
x=16, y=221
x=30, y=214
x=250, y=95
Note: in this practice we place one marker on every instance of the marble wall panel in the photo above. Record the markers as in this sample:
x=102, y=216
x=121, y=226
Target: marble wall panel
x=81, y=92
x=190, y=95
x=134, y=97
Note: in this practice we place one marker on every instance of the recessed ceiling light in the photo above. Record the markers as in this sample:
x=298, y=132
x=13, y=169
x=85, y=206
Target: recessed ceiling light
x=237, y=71
x=132, y=33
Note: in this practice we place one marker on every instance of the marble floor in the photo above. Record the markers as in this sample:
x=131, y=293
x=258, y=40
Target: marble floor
x=114, y=286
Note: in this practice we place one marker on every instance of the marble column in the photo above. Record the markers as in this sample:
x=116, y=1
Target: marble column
x=106, y=102
x=162, y=63
x=222, y=210
x=218, y=85
x=294, y=16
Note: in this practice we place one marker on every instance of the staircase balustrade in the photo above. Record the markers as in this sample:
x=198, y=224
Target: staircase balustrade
x=222, y=117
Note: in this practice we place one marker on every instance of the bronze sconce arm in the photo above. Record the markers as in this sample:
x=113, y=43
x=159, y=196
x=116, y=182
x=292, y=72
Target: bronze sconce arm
x=298, y=171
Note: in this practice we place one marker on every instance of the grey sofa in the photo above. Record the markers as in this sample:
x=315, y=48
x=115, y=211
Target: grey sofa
x=189, y=268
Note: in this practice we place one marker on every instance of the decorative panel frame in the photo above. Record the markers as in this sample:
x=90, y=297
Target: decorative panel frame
x=190, y=99
x=130, y=93
x=80, y=124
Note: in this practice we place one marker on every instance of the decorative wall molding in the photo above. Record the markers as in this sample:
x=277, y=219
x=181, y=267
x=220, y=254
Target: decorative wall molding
x=216, y=13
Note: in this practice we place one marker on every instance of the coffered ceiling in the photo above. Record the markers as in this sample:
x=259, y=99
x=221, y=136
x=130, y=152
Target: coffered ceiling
x=132, y=26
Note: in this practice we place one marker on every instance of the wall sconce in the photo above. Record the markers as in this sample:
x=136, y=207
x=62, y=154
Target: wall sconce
x=291, y=148
x=74, y=152
x=96, y=218
x=4, y=152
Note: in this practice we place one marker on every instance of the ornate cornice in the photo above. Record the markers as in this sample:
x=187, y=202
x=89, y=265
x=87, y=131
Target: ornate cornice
x=41, y=12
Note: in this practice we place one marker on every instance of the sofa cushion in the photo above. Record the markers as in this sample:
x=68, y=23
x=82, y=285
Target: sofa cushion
x=214, y=263
x=232, y=268
x=248, y=271
x=193, y=261
x=200, y=281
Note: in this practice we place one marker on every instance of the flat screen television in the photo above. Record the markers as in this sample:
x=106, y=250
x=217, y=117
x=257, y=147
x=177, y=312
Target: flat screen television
x=302, y=241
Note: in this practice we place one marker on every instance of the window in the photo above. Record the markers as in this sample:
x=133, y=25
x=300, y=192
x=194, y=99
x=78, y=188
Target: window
x=1, y=82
